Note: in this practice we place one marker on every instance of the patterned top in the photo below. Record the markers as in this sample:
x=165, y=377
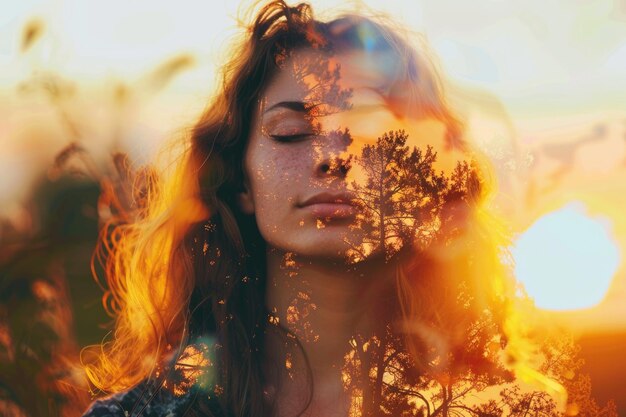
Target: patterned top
x=144, y=400
x=182, y=391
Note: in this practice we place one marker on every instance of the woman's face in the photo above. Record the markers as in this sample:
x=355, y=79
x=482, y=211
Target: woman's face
x=315, y=117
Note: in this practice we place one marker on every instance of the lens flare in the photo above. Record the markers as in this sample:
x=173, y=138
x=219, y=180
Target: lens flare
x=566, y=259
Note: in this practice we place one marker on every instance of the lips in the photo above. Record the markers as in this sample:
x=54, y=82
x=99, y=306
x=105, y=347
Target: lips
x=330, y=205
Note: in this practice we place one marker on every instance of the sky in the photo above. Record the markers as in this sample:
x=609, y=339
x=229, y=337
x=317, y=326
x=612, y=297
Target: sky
x=520, y=51
x=541, y=84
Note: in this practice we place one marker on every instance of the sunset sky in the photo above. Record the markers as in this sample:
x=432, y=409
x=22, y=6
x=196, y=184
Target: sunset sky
x=541, y=85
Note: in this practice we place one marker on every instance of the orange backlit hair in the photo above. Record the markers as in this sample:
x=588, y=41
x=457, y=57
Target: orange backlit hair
x=176, y=270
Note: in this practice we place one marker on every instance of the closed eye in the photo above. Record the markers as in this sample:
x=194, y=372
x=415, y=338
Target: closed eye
x=290, y=138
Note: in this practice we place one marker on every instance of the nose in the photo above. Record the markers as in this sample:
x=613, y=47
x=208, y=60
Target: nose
x=333, y=161
x=335, y=167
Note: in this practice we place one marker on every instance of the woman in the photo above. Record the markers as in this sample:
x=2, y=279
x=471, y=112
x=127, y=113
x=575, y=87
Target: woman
x=321, y=248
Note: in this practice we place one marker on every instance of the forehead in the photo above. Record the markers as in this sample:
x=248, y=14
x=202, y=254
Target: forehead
x=316, y=77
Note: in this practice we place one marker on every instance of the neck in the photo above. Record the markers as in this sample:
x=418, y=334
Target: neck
x=325, y=304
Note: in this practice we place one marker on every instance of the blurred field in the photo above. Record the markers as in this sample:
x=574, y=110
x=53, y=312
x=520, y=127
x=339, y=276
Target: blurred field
x=550, y=116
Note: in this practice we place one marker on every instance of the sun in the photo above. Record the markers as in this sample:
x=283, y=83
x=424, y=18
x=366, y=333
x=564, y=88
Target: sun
x=566, y=259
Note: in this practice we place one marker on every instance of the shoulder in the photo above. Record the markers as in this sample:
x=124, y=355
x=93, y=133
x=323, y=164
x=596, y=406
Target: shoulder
x=146, y=400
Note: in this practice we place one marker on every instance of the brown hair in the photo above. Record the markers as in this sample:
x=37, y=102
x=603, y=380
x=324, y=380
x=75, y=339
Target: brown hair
x=193, y=264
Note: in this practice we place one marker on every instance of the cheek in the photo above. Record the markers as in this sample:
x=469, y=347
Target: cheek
x=276, y=173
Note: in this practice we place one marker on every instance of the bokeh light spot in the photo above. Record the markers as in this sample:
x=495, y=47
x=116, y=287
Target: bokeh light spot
x=566, y=259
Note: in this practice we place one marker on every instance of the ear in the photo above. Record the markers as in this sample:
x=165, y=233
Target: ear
x=245, y=199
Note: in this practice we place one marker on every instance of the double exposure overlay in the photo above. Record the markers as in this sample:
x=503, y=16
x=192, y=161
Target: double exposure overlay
x=327, y=240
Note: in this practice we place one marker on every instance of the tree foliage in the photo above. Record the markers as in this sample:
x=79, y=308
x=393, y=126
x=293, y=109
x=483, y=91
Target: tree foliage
x=406, y=203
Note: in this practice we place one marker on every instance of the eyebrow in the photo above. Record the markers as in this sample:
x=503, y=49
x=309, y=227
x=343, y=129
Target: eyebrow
x=298, y=106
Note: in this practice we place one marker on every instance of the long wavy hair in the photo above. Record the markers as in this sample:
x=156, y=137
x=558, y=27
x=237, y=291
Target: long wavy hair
x=191, y=263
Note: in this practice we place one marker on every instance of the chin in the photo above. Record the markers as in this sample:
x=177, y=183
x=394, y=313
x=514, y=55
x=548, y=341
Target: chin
x=329, y=241
x=333, y=250
x=325, y=250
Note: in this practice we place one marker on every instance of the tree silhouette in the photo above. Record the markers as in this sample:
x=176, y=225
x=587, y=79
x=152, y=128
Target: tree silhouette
x=560, y=362
x=400, y=197
x=405, y=203
x=319, y=79
x=380, y=371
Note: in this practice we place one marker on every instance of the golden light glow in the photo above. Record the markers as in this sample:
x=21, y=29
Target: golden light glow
x=566, y=259
x=521, y=85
